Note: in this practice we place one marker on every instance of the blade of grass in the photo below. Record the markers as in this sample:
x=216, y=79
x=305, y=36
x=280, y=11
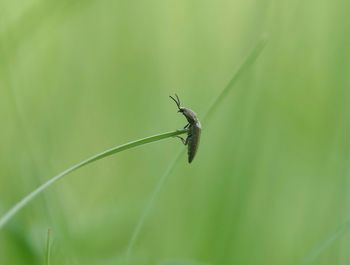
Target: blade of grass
x=23, y=202
x=323, y=246
x=151, y=201
x=250, y=59
x=48, y=247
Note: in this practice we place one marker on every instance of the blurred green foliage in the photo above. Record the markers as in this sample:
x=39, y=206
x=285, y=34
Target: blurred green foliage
x=272, y=176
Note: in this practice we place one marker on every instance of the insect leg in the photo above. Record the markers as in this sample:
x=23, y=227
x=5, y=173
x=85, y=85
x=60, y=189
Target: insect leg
x=185, y=142
x=186, y=126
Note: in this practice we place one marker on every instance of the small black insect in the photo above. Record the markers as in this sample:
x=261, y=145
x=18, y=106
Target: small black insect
x=194, y=129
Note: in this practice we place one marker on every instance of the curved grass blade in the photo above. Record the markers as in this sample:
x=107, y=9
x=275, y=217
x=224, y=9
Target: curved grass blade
x=12, y=211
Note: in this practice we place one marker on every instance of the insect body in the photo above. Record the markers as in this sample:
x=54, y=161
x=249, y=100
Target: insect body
x=194, y=129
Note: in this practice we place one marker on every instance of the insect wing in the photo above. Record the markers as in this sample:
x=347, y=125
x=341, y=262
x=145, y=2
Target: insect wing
x=193, y=141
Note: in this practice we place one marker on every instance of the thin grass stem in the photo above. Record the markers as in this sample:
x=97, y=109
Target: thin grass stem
x=315, y=253
x=23, y=202
x=48, y=247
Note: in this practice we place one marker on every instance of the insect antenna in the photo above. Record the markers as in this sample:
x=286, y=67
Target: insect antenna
x=177, y=100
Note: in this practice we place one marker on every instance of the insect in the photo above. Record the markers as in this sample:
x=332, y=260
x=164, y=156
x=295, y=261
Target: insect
x=194, y=129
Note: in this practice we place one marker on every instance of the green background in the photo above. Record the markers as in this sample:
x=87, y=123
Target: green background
x=271, y=179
